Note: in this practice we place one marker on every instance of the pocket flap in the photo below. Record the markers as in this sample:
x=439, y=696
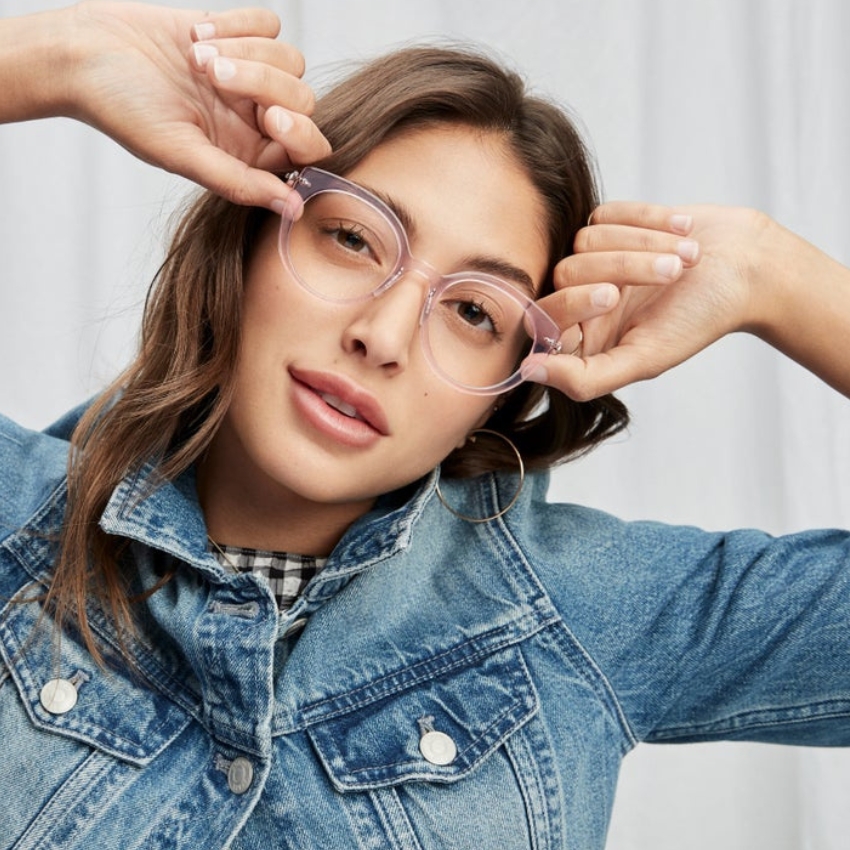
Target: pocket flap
x=112, y=711
x=382, y=741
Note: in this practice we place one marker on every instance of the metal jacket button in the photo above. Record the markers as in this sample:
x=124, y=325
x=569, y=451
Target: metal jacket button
x=296, y=626
x=438, y=748
x=240, y=774
x=58, y=696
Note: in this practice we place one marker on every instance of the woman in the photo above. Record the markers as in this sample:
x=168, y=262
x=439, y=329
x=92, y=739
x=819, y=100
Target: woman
x=304, y=596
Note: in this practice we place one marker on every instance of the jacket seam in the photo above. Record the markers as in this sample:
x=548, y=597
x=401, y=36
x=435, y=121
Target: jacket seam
x=764, y=718
x=381, y=688
x=612, y=701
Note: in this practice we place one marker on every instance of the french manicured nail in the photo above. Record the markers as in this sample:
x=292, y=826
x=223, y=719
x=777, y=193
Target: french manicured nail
x=289, y=207
x=688, y=250
x=668, y=265
x=205, y=31
x=282, y=119
x=223, y=69
x=681, y=223
x=538, y=374
x=204, y=53
x=603, y=297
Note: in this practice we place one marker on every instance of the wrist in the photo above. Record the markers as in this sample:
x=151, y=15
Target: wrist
x=775, y=267
x=803, y=302
x=35, y=70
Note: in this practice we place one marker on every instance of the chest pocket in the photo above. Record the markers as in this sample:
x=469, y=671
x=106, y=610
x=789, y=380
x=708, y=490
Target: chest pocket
x=437, y=729
x=420, y=766
x=62, y=691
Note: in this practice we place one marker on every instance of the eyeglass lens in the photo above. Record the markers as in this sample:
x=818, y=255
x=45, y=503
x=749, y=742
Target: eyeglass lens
x=343, y=249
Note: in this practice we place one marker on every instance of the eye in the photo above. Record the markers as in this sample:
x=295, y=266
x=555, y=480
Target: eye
x=474, y=313
x=350, y=237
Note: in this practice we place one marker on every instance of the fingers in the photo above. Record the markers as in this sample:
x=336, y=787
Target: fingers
x=259, y=81
x=641, y=249
x=267, y=73
x=284, y=103
x=620, y=267
x=249, y=35
x=577, y=304
x=630, y=243
x=297, y=135
x=649, y=216
x=237, y=22
x=277, y=54
x=607, y=237
x=583, y=379
x=230, y=177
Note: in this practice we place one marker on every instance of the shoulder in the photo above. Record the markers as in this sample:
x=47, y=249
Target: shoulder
x=553, y=533
x=595, y=566
x=563, y=532
x=621, y=581
x=32, y=465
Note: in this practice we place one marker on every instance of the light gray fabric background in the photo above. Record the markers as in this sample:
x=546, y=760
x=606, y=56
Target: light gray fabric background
x=727, y=101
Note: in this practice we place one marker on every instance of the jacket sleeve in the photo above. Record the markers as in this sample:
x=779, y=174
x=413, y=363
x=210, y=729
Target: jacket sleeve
x=705, y=636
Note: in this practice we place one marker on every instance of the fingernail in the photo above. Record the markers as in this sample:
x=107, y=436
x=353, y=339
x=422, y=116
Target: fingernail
x=537, y=374
x=688, y=250
x=289, y=207
x=681, y=223
x=223, y=69
x=204, y=31
x=668, y=265
x=282, y=119
x=604, y=296
x=203, y=54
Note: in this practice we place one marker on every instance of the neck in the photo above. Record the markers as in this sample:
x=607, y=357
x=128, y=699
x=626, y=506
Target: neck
x=249, y=511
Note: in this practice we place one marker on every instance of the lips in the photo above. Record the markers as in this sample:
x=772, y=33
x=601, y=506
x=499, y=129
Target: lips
x=338, y=404
x=359, y=407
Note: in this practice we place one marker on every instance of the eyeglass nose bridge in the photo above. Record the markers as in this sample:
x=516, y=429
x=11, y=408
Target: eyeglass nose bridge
x=420, y=268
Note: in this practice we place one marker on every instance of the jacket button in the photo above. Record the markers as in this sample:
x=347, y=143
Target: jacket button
x=296, y=626
x=58, y=696
x=240, y=774
x=438, y=748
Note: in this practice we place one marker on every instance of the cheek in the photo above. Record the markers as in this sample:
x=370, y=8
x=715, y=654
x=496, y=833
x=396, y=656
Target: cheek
x=264, y=275
x=267, y=289
x=274, y=308
x=452, y=416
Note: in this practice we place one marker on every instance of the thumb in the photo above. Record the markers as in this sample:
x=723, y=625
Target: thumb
x=230, y=177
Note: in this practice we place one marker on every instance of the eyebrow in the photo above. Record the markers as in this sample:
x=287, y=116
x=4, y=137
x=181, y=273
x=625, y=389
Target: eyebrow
x=503, y=269
x=476, y=262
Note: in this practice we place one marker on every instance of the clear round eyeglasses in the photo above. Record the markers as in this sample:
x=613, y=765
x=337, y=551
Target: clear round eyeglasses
x=348, y=245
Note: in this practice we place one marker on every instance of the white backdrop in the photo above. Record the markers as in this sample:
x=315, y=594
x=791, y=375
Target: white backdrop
x=728, y=101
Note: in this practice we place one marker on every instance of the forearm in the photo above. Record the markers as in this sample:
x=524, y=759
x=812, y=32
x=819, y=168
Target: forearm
x=802, y=299
x=35, y=60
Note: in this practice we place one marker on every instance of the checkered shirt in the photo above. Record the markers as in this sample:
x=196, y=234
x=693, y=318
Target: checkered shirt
x=287, y=574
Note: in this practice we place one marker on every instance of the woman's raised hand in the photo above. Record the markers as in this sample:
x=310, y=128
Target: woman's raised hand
x=213, y=97
x=650, y=286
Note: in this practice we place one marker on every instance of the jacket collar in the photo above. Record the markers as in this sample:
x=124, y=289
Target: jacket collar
x=167, y=516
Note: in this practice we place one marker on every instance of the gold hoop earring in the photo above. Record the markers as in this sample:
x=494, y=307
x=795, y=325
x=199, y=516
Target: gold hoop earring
x=511, y=503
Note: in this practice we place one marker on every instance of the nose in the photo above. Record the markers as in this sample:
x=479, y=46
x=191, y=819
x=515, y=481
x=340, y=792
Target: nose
x=384, y=330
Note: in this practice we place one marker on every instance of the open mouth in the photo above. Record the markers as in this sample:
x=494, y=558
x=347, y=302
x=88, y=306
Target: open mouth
x=338, y=404
x=339, y=407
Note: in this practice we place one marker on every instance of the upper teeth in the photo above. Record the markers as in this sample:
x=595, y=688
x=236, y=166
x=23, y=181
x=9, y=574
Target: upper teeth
x=338, y=404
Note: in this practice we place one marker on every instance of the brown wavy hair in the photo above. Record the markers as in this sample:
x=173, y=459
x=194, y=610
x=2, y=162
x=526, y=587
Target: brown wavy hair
x=167, y=405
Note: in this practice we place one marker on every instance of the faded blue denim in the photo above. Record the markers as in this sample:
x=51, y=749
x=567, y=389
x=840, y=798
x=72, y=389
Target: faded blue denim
x=545, y=645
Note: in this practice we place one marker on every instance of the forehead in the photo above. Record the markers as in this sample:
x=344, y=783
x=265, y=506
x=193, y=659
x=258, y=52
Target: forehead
x=464, y=194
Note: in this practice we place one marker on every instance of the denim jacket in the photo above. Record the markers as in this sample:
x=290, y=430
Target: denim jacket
x=439, y=685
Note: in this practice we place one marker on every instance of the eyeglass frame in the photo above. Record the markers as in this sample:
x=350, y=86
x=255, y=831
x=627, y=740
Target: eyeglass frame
x=311, y=181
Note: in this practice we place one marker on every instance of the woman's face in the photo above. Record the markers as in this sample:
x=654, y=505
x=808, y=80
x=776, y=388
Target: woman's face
x=306, y=365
